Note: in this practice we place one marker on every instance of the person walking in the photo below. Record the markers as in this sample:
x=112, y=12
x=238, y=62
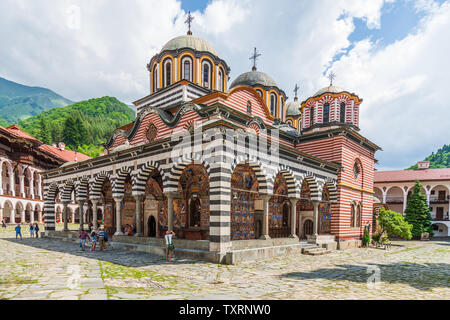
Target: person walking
x=18, y=231
x=31, y=230
x=83, y=236
x=169, y=244
x=36, y=230
x=101, y=239
x=3, y=223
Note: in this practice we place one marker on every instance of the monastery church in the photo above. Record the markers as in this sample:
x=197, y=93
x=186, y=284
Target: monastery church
x=234, y=169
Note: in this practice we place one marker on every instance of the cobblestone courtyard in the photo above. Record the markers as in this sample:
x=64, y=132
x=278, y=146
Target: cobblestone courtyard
x=52, y=269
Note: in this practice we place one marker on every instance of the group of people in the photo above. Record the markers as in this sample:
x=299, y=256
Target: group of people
x=34, y=230
x=93, y=236
x=129, y=230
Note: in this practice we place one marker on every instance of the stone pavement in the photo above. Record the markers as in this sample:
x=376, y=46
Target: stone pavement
x=52, y=269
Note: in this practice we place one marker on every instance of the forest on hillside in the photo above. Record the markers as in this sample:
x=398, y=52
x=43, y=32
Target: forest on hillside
x=83, y=126
x=440, y=159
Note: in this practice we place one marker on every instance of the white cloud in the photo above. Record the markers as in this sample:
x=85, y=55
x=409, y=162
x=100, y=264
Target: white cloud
x=403, y=84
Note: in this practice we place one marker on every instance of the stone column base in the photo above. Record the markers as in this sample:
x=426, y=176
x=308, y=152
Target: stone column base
x=293, y=236
x=265, y=237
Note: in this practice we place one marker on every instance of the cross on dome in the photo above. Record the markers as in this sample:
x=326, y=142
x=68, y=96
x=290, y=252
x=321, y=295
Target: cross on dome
x=331, y=76
x=254, y=57
x=188, y=21
x=295, y=91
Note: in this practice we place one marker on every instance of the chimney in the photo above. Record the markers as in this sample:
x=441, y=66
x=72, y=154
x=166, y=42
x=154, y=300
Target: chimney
x=61, y=145
x=421, y=165
x=54, y=145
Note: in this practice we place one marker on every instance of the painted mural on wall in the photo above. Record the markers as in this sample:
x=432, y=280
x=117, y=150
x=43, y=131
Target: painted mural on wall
x=304, y=204
x=109, y=215
x=324, y=218
x=128, y=205
x=276, y=203
x=244, y=191
x=192, y=203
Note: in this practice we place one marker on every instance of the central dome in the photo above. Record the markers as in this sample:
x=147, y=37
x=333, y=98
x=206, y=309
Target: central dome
x=253, y=78
x=189, y=41
x=331, y=89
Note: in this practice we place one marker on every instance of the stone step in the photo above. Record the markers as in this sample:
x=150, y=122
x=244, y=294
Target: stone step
x=315, y=251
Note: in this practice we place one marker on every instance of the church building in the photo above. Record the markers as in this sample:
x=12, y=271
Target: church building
x=227, y=167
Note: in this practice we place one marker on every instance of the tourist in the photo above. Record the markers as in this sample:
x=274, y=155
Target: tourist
x=101, y=239
x=31, y=230
x=83, y=236
x=36, y=230
x=94, y=240
x=169, y=245
x=3, y=223
x=90, y=226
x=18, y=231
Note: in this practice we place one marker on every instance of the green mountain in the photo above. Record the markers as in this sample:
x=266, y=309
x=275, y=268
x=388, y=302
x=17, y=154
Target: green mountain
x=440, y=159
x=18, y=102
x=84, y=125
x=4, y=123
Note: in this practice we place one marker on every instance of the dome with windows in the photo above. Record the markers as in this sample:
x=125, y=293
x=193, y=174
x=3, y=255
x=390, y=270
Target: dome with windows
x=253, y=78
x=189, y=41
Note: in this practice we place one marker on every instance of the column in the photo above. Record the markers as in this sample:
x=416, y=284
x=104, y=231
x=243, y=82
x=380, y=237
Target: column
x=293, y=218
x=118, y=220
x=73, y=216
x=405, y=200
x=41, y=196
x=22, y=186
x=384, y=195
x=32, y=185
x=66, y=216
x=169, y=196
x=1, y=214
x=138, y=222
x=40, y=216
x=1, y=177
x=22, y=216
x=316, y=218
x=11, y=183
x=265, y=224
x=12, y=216
x=428, y=192
x=94, y=213
x=32, y=215
x=81, y=211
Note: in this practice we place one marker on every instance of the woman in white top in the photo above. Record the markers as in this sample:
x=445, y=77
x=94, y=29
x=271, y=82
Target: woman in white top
x=169, y=244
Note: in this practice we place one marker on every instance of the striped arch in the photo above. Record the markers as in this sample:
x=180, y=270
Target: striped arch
x=142, y=175
x=50, y=192
x=314, y=188
x=332, y=189
x=81, y=188
x=97, y=184
x=260, y=174
x=293, y=188
x=66, y=193
x=171, y=181
x=119, y=182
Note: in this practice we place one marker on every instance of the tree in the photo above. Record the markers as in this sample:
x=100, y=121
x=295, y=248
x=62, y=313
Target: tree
x=418, y=212
x=393, y=224
x=70, y=135
x=45, y=134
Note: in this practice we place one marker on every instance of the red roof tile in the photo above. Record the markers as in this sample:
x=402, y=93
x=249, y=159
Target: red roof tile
x=411, y=175
x=15, y=130
x=66, y=155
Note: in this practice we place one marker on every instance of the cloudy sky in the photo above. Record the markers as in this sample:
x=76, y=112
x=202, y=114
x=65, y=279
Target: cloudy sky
x=393, y=54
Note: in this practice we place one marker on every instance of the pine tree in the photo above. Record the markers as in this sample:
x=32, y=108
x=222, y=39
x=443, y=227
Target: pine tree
x=45, y=134
x=418, y=212
x=70, y=134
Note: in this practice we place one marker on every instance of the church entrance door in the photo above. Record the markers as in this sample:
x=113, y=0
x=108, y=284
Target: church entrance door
x=151, y=226
x=308, y=228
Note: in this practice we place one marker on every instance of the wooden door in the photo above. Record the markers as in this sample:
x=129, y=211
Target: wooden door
x=440, y=213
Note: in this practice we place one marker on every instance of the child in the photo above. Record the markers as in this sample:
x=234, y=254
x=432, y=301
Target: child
x=83, y=236
x=94, y=240
x=31, y=230
x=18, y=231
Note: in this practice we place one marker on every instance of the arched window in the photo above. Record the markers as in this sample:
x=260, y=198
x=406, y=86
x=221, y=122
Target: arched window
x=259, y=92
x=311, y=116
x=358, y=215
x=342, y=112
x=155, y=78
x=206, y=75
x=326, y=113
x=353, y=216
x=273, y=104
x=167, y=73
x=289, y=122
x=220, y=80
x=282, y=110
x=186, y=69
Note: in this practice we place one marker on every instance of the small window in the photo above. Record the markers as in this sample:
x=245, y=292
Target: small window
x=342, y=112
x=356, y=170
x=326, y=113
x=249, y=107
x=187, y=69
x=273, y=104
x=353, y=216
x=259, y=92
x=311, y=116
x=206, y=75
x=155, y=78
x=167, y=73
x=220, y=80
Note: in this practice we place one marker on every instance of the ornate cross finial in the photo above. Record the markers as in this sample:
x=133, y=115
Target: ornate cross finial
x=188, y=21
x=254, y=57
x=331, y=76
x=295, y=91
